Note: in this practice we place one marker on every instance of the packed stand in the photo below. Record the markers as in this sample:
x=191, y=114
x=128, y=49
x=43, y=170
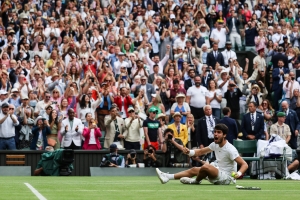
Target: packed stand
x=152, y=75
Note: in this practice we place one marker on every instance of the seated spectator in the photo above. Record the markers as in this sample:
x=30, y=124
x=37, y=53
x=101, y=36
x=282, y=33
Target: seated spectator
x=113, y=159
x=172, y=148
x=91, y=136
x=132, y=158
x=151, y=159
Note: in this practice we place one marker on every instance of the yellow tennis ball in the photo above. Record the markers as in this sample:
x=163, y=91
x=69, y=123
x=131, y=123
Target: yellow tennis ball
x=233, y=174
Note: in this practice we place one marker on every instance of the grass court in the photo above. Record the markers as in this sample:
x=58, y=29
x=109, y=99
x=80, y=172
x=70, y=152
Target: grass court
x=140, y=188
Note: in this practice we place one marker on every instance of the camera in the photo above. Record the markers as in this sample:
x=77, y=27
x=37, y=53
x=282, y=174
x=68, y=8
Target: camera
x=54, y=102
x=232, y=85
x=150, y=151
x=132, y=155
x=170, y=137
x=92, y=79
x=107, y=163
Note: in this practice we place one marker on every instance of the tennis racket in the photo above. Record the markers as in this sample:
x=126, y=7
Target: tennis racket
x=247, y=188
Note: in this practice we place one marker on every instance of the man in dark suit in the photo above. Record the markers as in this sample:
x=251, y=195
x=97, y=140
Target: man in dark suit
x=278, y=79
x=149, y=89
x=233, y=23
x=190, y=82
x=279, y=56
x=214, y=56
x=252, y=123
x=152, y=77
x=293, y=122
x=205, y=128
x=231, y=124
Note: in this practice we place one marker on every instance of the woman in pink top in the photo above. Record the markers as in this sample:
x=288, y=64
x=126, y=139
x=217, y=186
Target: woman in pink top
x=4, y=58
x=247, y=12
x=91, y=135
x=261, y=41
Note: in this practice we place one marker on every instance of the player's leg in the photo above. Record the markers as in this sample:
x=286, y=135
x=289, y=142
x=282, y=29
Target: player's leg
x=165, y=177
x=206, y=170
x=293, y=166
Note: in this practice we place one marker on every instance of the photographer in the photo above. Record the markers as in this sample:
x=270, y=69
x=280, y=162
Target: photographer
x=131, y=158
x=40, y=132
x=113, y=159
x=150, y=157
x=172, y=147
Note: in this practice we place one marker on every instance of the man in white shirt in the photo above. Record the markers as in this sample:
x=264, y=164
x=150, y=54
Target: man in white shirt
x=120, y=62
x=23, y=85
x=44, y=54
x=259, y=61
x=289, y=86
x=218, y=173
x=218, y=35
x=41, y=105
x=228, y=53
x=295, y=37
x=154, y=39
x=278, y=37
x=180, y=42
x=149, y=13
x=156, y=61
x=195, y=97
x=8, y=121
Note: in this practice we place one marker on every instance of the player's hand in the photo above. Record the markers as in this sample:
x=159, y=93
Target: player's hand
x=185, y=150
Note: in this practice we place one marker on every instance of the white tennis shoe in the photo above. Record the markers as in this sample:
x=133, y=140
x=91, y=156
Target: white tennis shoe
x=186, y=180
x=162, y=176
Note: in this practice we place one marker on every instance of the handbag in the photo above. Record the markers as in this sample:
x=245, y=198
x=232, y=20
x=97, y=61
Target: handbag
x=51, y=142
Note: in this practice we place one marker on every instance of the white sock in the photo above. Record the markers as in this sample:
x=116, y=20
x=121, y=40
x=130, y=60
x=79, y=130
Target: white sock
x=170, y=176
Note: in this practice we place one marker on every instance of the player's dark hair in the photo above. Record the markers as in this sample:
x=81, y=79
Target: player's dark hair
x=222, y=127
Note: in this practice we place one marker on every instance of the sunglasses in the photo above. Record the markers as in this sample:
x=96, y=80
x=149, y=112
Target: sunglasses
x=55, y=92
x=131, y=111
x=10, y=108
x=48, y=97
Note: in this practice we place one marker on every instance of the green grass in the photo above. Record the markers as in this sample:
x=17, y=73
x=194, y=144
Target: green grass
x=140, y=188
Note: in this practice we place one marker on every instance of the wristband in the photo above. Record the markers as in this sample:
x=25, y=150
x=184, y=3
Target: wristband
x=239, y=173
x=192, y=153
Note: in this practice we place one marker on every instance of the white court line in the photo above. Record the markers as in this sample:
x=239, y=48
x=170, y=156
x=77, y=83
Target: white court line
x=35, y=192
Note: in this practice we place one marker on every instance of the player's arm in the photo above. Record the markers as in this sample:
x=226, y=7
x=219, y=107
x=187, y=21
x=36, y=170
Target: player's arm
x=244, y=166
x=196, y=152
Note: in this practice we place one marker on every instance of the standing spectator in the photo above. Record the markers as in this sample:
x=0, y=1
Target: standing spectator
x=256, y=95
x=195, y=97
x=232, y=97
x=223, y=86
x=181, y=106
x=123, y=101
x=133, y=124
x=154, y=39
x=180, y=130
x=289, y=86
x=148, y=88
x=115, y=128
x=259, y=61
x=280, y=128
x=205, y=128
x=228, y=53
x=8, y=121
x=214, y=98
x=293, y=122
x=55, y=126
x=278, y=37
x=152, y=130
x=295, y=37
x=278, y=79
x=160, y=63
x=234, y=32
x=252, y=124
x=155, y=74
x=279, y=56
x=261, y=41
x=214, y=57
x=231, y=124
x=250, y=34
x=218, y=35
x=40, y=132
x=71, y=130
x=91, y=135
x=87, y=105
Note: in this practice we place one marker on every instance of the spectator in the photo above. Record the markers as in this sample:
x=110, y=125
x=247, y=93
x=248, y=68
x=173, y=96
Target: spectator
x=91, y=135
x=214, y=98
x=195, y=97
x=261, y=41
x=113, y=159
x=280, y=128
x=233, y=30
x=231, y=124
x=259, y=60
x=172, y=147
x=181, y=106
x=152, y=130
x=255, y=95
x=228, y=53
x=8, y=122
x=71, y=129
x=205, y=127
x=278, y=79
x=123, y=101
x=87, y=106
x=218, y=35
x=250, y=34
x=55, y=126
x=214, y=57
x=115, y=128
x=289, y=86
x=279, y=56
x=252, y=124
x=268, y=113
x=148, y=88
x=179, y=130
x=133, y=125
x=151, y=159
x=40, y=132
x=293, y=122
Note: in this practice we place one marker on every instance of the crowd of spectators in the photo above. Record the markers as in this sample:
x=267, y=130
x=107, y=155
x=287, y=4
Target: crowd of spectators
x=135, y=71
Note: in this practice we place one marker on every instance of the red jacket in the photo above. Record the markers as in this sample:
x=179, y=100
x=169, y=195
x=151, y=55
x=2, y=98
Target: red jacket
x=86, y=135
x=127, y=103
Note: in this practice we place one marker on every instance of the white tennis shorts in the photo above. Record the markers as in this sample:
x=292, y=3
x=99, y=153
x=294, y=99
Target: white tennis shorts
x=222, y=179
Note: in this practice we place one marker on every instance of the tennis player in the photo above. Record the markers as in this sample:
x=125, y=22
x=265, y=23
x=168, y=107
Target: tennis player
x=227, y=158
